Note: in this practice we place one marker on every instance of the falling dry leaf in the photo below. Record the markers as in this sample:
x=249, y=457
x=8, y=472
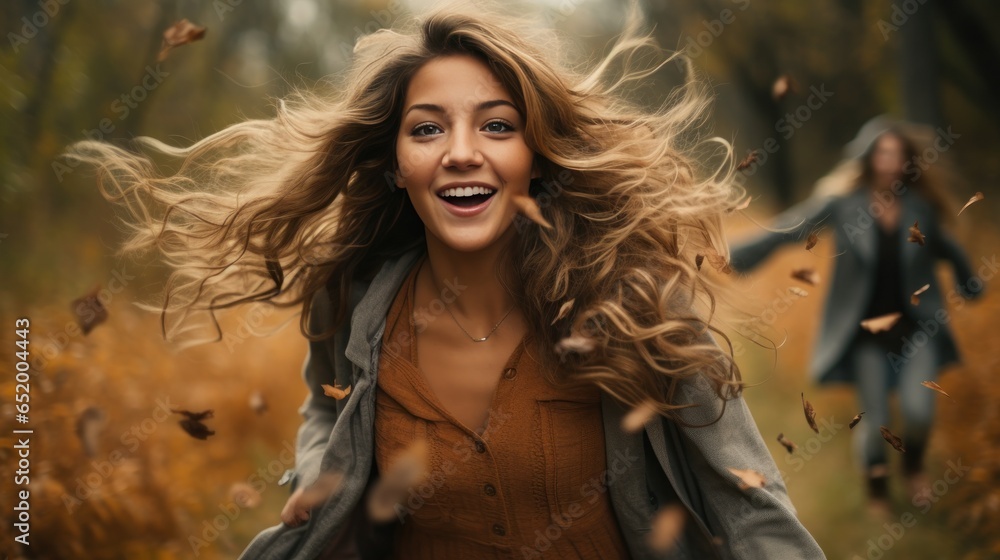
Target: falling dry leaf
x=752, y=156
x=244, y=495
x=915, y=235
x=666, y=528
x=576, y=343
x=811, y=241
x=807, y=275
x=719, y=262
x=894, y=441
x=789, y=444
x=855, y=420
x=326, y=485
x=564, y=310
x=797, y=291
x=335, y=391
x=784, y=85
x=975, y=198
x=935, y=387
x=881, y=323
x=748, y=478
x=89, y=310
x=807, y=407
x=530, y=209
x=638, y=417
x=88, y=427
x=915, y=298
x=741, y=206
x=257, y=402
x=698, y=259
x=180, y=33
x=409, y=468
x=193, y=424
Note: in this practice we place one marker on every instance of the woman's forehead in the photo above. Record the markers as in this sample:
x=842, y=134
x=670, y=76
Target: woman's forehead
x=456, y=83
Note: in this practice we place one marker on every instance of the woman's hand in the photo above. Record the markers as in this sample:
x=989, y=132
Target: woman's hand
x=296, y=510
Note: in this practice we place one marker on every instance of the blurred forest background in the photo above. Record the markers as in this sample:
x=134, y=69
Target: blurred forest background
x=114, y=476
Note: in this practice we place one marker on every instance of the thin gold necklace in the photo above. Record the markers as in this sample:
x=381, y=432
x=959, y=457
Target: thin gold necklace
x=453, y=318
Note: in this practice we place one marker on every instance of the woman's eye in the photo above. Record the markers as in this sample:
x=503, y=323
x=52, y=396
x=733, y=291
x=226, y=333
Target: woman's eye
x=425, y=130
x=498, y=126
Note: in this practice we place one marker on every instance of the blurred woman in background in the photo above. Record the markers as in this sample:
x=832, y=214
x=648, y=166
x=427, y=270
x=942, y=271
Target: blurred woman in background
x=870, y=201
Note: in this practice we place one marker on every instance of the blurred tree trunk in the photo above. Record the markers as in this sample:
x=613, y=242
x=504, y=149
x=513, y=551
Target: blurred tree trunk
x=918, y=64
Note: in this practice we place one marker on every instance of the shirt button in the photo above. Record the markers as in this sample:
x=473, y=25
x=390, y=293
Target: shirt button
x=480, y=447
x=498, y=529
x=490, y=489
x=509, y=373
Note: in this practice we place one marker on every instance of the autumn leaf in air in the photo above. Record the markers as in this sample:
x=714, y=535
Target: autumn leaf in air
x=719, y=262
x=89, y=310
x=244, y=495
x=335, y=391
x=789, y=444
x=575, y=344
x=894, y=441
x=88, y=427
x=975, y=198
x=881, y=323
x=935, y=387
x=741, y=206
x=748, y=478
x=915, y=298
x=326, y=485
x=564, y=310
x=811, y=241
x=257, y=402
x=409, y=468
x=192, y=423
x=752, y=156
x=180, y=33
x=638, y=417
x=797, y=291
x=666, y=528
x=784, y=85
x=810, y=412
x=807, y=275
x=915, y=235
x=855, y=420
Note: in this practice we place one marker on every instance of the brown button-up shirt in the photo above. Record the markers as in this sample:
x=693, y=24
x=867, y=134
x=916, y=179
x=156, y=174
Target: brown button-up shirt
x=533, y=484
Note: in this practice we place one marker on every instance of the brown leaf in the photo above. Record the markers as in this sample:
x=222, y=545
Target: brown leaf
x=789, y=445
x=698, y=259
x=638, y=417
x=881, y=323
x=89, y=425
x=193, y=424
x=527, y=206
x=752, y=156
x=855, y=420
x=975, y=198
x=409, y=468
x=180, y=33
x=811, y=241
x=719, y=262
x=784, y=85
x=915, y=298
x=89, y=310
x=577, y=344
x=807, y=407
x=244, y=495
x=807, y=275
x=915, y=235
x=564, y=310
x=327, y=484
x=257, y=402
x=335, y=391
x=748, y=478
x=894, y=441
x=666, y=528
x=935, y=387
x=797, y=291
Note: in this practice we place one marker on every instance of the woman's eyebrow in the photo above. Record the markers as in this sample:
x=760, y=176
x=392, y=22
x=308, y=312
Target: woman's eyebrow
x=482, y=106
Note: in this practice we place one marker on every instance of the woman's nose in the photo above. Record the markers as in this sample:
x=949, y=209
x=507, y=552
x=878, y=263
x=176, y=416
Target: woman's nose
x=462, y=151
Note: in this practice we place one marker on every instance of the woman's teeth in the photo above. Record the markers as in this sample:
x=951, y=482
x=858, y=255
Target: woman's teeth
x=465, y=191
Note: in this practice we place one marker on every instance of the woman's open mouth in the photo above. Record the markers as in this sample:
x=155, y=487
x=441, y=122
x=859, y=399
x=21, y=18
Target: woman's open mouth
x=466, y=201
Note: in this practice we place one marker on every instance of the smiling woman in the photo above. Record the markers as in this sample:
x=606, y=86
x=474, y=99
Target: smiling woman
x=503, y=429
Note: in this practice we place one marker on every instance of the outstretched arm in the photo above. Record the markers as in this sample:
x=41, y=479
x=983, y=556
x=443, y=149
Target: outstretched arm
x=795, y=224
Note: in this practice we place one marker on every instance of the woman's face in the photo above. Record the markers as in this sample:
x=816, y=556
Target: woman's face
x=888, y=157
x=461, y=152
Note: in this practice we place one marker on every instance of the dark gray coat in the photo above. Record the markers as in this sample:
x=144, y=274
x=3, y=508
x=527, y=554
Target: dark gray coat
x=661, y=464
x=855, y=236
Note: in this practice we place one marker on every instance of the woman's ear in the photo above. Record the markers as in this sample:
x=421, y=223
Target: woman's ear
x=399, y=179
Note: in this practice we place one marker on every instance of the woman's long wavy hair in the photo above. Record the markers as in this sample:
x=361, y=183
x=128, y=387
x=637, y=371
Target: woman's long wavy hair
x=275, y=210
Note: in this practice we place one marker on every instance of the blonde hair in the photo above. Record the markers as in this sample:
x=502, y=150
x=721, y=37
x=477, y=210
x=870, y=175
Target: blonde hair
x=274, y=210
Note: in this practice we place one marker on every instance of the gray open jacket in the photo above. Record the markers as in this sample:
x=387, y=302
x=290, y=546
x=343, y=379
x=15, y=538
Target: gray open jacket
x=664, y=463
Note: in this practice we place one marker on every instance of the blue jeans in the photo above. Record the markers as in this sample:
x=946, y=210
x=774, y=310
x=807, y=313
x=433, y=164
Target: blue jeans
x=876, y=376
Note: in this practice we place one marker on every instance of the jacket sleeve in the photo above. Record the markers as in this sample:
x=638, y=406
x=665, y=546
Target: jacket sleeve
x=753, y=522
x=794, y=224
x=319, y=412
x=945, y=247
